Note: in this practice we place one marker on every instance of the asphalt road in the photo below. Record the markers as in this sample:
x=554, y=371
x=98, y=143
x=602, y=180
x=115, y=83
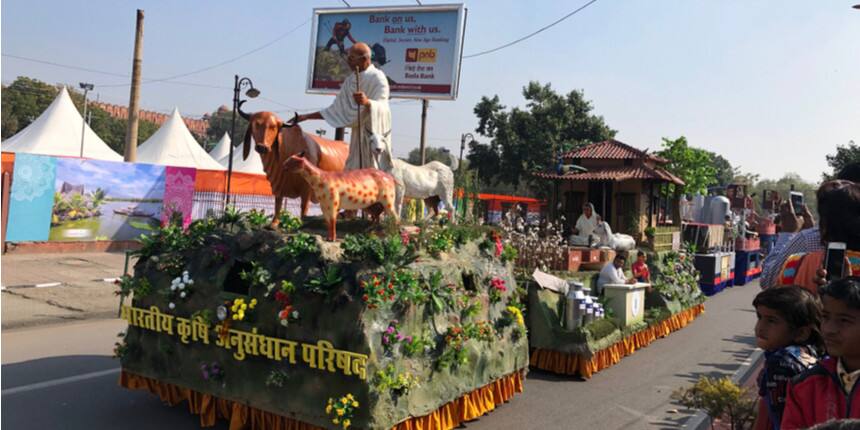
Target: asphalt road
x=63, y=377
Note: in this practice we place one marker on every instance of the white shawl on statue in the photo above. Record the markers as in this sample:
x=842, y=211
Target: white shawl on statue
x=376, y=118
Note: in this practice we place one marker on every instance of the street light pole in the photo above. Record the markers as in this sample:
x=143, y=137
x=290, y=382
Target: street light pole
x=252, y=92
x=463, y=144
x=87, y=88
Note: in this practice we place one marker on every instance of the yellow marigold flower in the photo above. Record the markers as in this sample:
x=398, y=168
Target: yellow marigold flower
x=354, y=404
x=343, y=399
x=235, y=316
x=340, y=412
x=346, y=423
x=328, y=409
x=336, y=421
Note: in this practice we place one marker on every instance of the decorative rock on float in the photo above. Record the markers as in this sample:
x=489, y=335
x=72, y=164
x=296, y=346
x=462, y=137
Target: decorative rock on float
x=276, y=329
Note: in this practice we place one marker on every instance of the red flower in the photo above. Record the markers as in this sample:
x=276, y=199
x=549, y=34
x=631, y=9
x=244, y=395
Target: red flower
x=364, y=297
x=498, y=246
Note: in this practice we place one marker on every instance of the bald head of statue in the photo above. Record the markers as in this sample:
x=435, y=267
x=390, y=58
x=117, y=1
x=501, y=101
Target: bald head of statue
x=359, y=56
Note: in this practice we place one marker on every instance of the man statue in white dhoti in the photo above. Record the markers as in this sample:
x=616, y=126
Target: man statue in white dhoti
x=372, y=96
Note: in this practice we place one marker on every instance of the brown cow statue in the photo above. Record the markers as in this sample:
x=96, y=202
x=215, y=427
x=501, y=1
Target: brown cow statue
x=276, y=142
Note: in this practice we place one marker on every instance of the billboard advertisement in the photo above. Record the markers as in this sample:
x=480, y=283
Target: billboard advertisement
x=418, y=47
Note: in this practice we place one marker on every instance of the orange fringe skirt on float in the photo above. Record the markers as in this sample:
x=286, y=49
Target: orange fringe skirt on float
x=576, y=364
x=470, y=406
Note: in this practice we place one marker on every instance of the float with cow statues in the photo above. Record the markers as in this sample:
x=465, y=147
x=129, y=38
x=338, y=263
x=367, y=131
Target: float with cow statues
x=269, y=322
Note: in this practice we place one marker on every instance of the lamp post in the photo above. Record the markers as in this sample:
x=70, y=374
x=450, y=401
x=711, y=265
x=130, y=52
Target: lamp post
x=251, y=93
x=463, y=143
x=87, y=88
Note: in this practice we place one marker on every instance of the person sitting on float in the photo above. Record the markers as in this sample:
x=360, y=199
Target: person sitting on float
x=613, y=273
x=640, y=268
x=839, y=210
x=583, y=232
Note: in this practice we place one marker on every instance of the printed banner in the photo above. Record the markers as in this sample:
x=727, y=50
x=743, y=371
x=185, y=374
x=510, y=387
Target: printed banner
x=31, y=198
x=179, y=193
x=418, y=47
x=105, y=200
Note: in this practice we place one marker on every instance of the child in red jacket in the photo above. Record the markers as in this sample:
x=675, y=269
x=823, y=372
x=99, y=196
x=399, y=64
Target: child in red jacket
x=788, y=331
x=830, y=389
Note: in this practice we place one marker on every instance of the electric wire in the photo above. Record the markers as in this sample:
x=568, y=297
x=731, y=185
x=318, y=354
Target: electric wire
x=534, y=33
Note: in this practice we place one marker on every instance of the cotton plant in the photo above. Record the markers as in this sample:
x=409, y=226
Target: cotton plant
x=180, y=287
x=534, y=250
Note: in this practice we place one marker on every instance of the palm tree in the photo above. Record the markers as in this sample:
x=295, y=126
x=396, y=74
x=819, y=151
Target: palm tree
x=78, y=206
x=97, y=197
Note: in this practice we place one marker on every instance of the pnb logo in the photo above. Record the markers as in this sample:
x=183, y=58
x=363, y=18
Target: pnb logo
x=422, y=55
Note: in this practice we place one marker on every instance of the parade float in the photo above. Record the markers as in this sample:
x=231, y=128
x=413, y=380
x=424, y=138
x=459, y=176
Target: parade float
x=572, y=332
x=274, y=327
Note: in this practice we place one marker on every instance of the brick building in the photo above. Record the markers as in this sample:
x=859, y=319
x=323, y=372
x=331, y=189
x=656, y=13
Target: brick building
x=196, y=126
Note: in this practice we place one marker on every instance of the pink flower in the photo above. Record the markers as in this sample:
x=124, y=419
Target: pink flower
x=498, y=246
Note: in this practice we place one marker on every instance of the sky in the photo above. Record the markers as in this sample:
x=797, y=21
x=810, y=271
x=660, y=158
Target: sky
x=771, y=86
x=146, y=181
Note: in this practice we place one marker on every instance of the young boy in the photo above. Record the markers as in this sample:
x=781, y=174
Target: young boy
x=831, y=389
x=640, y=269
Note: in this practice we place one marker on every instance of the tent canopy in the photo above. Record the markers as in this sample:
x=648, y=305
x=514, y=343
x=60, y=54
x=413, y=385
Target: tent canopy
x=173, y=145
x=254, y=164
x=222, y=148
x=57, y=131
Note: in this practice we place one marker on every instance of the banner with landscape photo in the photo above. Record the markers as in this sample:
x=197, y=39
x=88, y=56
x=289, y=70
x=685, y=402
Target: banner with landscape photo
x=103, y=200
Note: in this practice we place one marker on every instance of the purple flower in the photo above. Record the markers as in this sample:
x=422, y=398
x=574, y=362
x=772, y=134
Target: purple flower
x=390, y=330
x=385, y=340
x=409, y=339
x=205, y=375
x=399, y=336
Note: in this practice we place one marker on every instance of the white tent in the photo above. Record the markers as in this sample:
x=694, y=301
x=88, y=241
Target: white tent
x=254, y=164
x=222, y=148
x=57, y=131
x=173, y=145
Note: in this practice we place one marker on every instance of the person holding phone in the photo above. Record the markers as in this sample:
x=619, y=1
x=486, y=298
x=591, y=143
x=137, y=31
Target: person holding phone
x=839, y=207
x=805, y=241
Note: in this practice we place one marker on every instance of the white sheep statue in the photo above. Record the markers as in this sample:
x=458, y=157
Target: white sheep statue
x=619, y=242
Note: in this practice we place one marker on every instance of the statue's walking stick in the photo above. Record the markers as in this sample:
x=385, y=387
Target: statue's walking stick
x=360, y=148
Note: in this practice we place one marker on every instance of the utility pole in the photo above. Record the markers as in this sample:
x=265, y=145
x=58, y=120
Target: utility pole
x=424, y=103
x=134, y=97
x=87, y=88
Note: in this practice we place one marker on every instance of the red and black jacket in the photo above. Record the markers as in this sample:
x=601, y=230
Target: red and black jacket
x=817, y=396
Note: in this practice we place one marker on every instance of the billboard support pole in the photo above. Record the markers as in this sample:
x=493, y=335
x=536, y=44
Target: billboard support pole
x=424, y=103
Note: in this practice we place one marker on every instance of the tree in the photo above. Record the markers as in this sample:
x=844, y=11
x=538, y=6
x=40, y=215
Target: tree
x=693, y=165
x=220, y=122
x=527, y=140
x=844, y=156
x=725, y=172
x=23, y=101
x=442, y=155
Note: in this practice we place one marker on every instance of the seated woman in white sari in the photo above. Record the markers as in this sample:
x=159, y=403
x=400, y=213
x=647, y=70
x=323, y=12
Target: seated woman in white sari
x=583, y=233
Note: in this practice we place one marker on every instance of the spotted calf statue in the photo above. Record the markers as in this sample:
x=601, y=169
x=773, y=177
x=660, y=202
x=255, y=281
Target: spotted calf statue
x=355, y=189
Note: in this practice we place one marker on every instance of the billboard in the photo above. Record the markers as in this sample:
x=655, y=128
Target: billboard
x=418, y=47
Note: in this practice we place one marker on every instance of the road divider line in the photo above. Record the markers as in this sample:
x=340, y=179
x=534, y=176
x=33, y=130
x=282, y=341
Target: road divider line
x=60, y=381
